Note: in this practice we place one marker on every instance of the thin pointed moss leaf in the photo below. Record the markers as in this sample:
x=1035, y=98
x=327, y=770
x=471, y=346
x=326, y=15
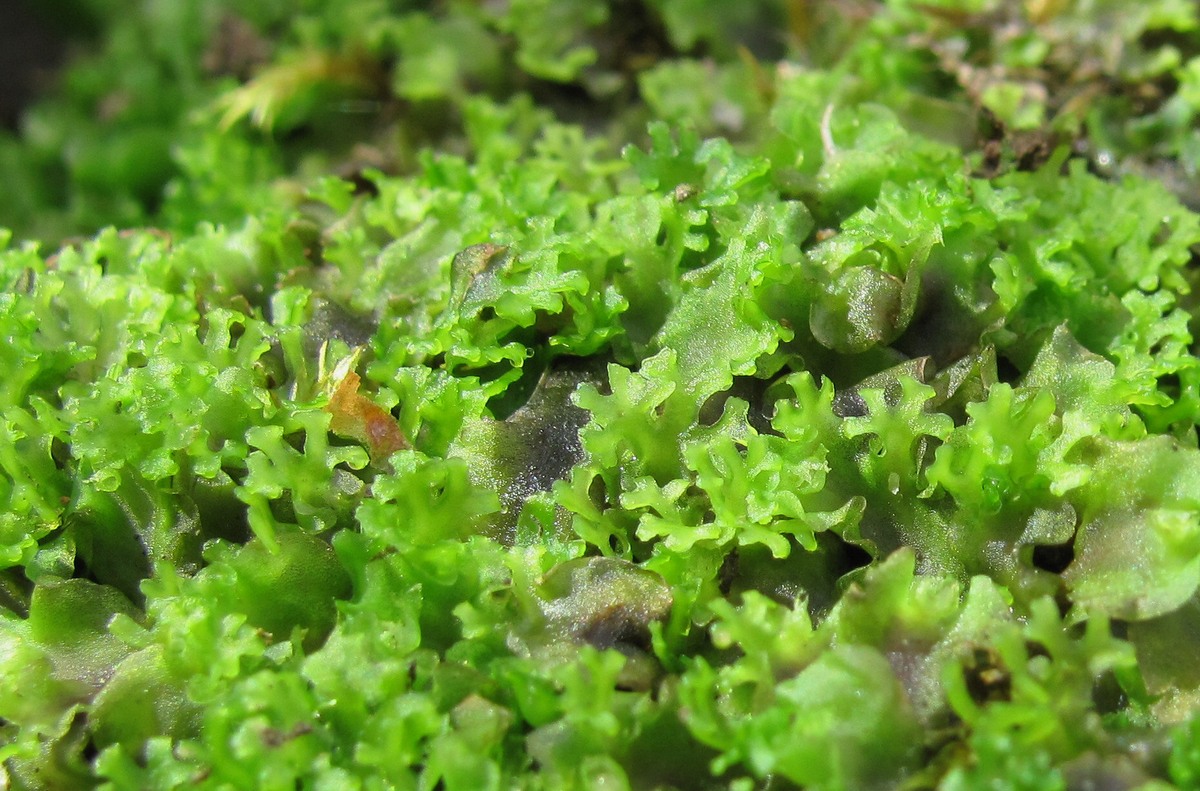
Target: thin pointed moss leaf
x=282, y=95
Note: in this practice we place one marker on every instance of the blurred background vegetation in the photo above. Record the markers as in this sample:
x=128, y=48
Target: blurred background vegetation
x=173, y=112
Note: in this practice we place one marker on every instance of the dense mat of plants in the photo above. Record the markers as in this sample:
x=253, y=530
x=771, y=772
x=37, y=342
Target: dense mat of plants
x=572, y=394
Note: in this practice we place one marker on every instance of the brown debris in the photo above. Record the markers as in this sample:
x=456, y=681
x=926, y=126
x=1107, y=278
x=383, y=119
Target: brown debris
x=356, y=417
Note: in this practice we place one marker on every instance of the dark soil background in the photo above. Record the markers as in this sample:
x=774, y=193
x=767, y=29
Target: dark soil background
x=31, y=46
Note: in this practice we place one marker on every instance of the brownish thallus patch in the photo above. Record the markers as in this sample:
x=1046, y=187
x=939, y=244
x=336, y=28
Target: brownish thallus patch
x=356, y=417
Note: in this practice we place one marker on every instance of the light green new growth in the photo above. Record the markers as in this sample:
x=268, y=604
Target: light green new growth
x=661, y=394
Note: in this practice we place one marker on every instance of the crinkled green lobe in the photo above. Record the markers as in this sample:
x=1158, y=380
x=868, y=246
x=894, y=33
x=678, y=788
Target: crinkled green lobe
x=942, y=649
x=1137, y=551
x=833, y=751
x=311, y=476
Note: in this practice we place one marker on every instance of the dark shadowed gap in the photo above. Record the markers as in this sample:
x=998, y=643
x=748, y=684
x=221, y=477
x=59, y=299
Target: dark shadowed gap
x=31, y=49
